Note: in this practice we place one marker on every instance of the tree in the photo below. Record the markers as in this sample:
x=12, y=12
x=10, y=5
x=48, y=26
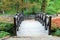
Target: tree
x=44, y=5
x=5, y=6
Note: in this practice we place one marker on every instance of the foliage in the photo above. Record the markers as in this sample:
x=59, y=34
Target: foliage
x=55, y=23
x=54, y=27
x=50, y=6
x=56, y=33
x=53, y=7
x=5, y=26
x=3, y=34
x=18, y=5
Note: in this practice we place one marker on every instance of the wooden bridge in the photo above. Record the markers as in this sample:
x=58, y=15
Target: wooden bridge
x=32, y=25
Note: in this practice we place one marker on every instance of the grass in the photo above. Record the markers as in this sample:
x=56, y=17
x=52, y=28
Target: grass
x=5, y=26
x=3, y=34
x=6, y=29
x=9, y=12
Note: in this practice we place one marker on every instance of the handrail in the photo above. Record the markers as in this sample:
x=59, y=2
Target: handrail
x=18, y=18
x=15, y=24
x=46, y=21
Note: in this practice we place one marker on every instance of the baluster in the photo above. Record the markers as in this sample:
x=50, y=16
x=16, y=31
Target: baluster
x=50, y=25
x=43, y=19
x=40, y=15
x=15, y=25
x=45, y=22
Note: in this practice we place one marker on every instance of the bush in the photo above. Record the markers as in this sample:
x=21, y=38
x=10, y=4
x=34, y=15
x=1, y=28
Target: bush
x=5, y=26
x=28, y=12
x=3, y=34
x=57, y=32
x=54, y=27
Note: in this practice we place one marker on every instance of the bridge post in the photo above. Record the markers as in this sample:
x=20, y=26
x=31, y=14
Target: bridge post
x=15, y=25
x=49, y=25
x=45, y=22
x=43, y=19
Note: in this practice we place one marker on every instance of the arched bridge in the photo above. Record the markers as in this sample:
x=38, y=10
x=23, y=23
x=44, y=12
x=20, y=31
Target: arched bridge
x=32, y=25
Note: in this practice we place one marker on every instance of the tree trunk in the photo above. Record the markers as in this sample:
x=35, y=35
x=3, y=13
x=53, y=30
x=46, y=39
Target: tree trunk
x=3, y=12
x=45, y=4
x=43, y=7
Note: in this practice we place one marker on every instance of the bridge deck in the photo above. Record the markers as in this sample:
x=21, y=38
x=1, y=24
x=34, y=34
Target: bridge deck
x=31, y=28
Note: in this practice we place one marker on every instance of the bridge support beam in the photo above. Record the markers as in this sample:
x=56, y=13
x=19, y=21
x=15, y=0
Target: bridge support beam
x=49, y=25
x=15, y=25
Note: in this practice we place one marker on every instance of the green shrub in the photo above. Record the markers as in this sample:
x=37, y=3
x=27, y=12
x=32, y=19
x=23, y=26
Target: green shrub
x=3, y=34
x=28, y=12
x=5, y=26
x=56, y=32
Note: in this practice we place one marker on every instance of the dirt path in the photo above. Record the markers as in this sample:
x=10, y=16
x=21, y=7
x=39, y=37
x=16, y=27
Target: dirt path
x=47, y=37
x=6, y=18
